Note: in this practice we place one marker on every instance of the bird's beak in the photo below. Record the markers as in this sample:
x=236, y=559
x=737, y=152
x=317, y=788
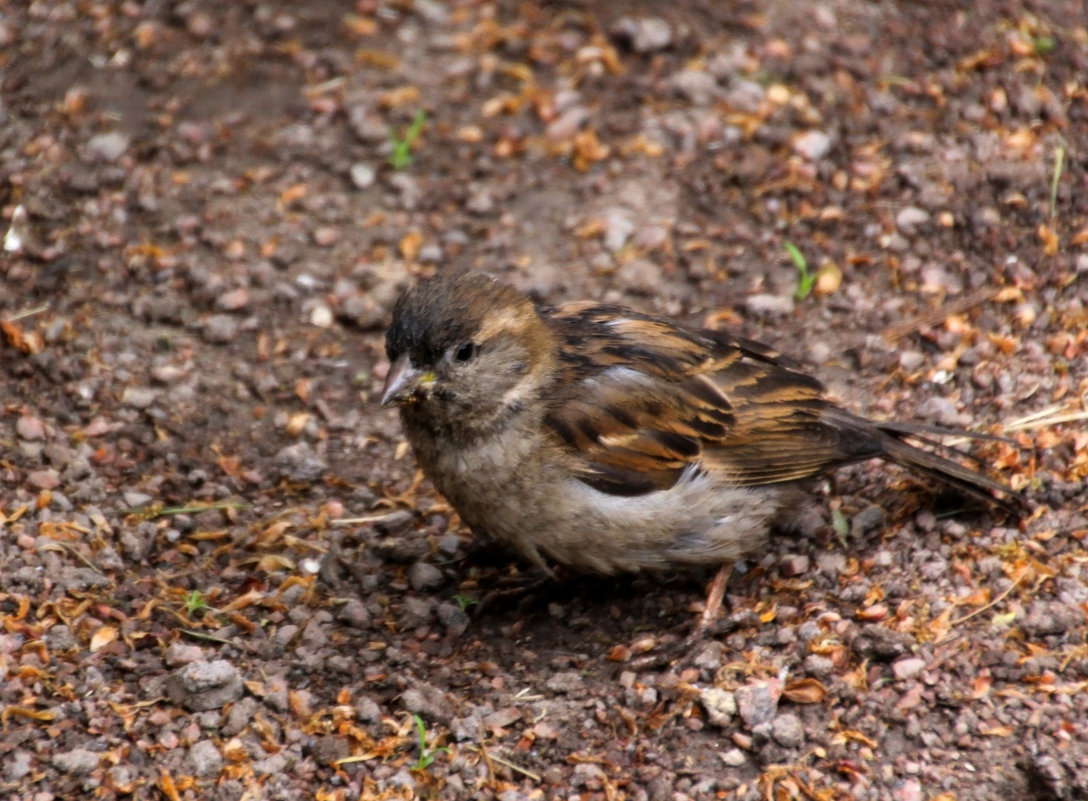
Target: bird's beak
x=404, y=383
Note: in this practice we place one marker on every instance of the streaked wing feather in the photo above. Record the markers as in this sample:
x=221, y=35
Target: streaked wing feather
x=646, y=399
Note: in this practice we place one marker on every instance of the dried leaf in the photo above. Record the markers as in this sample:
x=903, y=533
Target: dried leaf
x=980, y=687
x=360, y=26
x=30, y=342
x=828, y=279
x=588, y=150
x=168, y=787
x=103, y=637
x=400, y=96
x=874, y=612
x=296, y=424
x=45, y=715
x=619, y=653
x=1048, y=238
x=805, y=691
x=410, y=245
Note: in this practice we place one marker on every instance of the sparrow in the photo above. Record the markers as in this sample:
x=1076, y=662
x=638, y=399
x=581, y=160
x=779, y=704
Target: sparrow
x=609, y=440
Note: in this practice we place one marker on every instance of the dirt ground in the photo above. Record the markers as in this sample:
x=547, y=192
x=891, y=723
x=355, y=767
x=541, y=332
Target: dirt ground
x=219, y=575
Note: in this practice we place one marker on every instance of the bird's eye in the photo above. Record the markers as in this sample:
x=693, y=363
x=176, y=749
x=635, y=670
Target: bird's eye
x=465, y=352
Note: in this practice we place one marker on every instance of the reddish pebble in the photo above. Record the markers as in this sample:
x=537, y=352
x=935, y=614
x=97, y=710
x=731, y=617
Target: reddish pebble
x=30, y=428
x=43, y=479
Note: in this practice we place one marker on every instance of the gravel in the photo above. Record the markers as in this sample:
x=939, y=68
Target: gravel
x=220, y=575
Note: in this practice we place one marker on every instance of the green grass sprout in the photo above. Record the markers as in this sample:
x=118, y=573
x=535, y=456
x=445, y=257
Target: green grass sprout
x=426, y=754
x=805, y=279
x=401, y=157
x=1059, y=164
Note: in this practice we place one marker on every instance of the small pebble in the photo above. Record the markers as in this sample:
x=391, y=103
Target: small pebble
x=757, y=701
x=734, y=758
x=424, y=576
x=696, y=86
x=644, y=34
x=107, y=146
x=362, y=175
x=29, y=428
x=813, y=145
x=908, y=668
x=78, y=761
x=787, y=731
x=910, y=219
x=720, y=705
x=220, y=329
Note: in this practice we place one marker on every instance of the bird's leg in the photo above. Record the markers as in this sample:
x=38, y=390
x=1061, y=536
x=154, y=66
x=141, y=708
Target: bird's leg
x=713, y=603
x=521, y=589
x=715, y=595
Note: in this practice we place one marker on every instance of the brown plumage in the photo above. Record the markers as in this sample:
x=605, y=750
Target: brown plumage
x=612, y=440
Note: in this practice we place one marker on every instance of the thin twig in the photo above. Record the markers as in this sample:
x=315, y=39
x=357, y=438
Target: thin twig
x=74, y=552
x=356, y=521
x=516, y=768
x=893, y=333
x=199, y=635
x=1000, y=597
x=1052, y=415
x=27, y=313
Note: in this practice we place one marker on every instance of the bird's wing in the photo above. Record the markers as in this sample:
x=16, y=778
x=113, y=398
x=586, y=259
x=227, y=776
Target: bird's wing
x=644, y=399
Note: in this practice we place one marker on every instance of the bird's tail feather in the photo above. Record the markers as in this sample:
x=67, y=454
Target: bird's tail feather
x=952, y=473
x=889, y=439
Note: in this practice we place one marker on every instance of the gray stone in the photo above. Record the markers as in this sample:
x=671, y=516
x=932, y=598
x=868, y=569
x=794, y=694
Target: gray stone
x=107, y=146
x=1046, y=618
x=220, y=329
x=205, y=761
x=205, y=685
x=644, y=34
x=813, y=145
x=695, y=86
x=641, y=276
x=565, y=682
x=910, y=219
x=720, y=705
x=429, y=702
x=270, y=765
x=618, y=227
x=764, y=303
x=867, y=519
x=78, y=761
x=908, y=668
x=60, y=638
x=354, y=613
x=787, y=731
x=911, y=360
x=139, y=397
x=300, y=463
x=734, y=758
x=17, y=765
x=709, y=656
x=395, y=522
x=367, y=710
x=453, y=618
x=362, y=175
x=328, y=749
x=415, y=612
x=757, y=702
x=794, y=565
x=424, y=576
